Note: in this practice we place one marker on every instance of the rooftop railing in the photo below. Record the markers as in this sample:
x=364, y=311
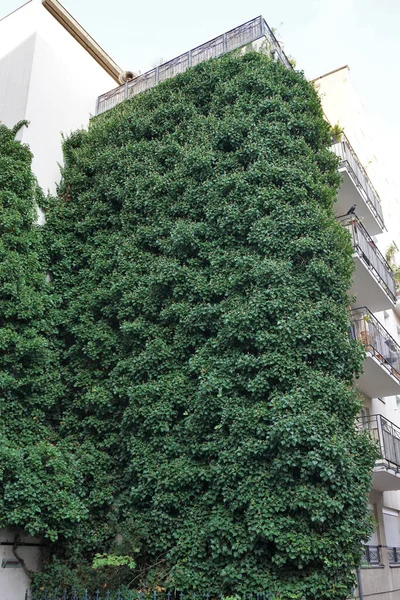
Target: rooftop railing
x=231, y=40
x=349, y=159
x=387, y=434
x=366, y=248
x=376, y=339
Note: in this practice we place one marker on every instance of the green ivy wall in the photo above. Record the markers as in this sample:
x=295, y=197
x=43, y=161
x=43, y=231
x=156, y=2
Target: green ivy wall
x=199, y=318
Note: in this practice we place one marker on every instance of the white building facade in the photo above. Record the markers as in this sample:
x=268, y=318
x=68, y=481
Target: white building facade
x=376, y=321
x=51, y=73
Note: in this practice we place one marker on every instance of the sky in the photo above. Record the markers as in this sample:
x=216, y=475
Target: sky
x=321, y=35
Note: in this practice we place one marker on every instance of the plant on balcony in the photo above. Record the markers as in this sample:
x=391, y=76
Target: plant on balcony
x=390, y=257
x=336, y=132
x=200, y=282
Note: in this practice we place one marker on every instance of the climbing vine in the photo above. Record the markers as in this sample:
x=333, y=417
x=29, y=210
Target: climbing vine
x=199, y=296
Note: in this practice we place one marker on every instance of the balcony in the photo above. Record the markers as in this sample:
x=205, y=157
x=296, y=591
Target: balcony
x=386, y=475
x=373, y=281
x=381, y=376
x=357, y=189
x=252, y=31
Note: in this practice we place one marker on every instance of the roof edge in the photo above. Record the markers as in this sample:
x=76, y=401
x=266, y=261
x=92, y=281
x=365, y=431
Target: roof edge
x=331, y=72
x=83, y=38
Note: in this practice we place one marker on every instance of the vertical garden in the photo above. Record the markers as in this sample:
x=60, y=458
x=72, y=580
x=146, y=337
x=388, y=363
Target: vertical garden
x=198, y=312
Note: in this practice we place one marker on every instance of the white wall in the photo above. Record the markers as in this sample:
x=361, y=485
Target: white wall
x=64, y=84
x=342, y=105
x=14, y=581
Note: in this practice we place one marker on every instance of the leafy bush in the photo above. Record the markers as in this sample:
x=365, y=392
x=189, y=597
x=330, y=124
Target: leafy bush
x=200, y=283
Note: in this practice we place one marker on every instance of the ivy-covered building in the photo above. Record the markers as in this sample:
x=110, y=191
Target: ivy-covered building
x=373, y=294
x=206, y=421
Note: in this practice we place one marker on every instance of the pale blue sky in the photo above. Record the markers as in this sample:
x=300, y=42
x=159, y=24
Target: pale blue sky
x=320, y=34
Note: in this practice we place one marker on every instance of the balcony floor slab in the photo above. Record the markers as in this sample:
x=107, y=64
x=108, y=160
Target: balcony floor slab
x=385, y=479
x=376, y=381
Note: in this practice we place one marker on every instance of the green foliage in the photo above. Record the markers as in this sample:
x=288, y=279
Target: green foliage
x=336, y=132
x=199, y=290
x=43, y=476
x=391, y=259
x=112, y=560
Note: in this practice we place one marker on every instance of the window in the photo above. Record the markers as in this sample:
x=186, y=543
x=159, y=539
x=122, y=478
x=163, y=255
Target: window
x=392, y=532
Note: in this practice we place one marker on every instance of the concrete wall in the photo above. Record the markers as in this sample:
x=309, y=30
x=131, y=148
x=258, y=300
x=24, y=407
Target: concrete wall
x=14, y=581
x=15, y=75
x=48, y=78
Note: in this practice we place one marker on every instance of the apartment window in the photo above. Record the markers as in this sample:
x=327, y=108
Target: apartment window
x=372, y=550
x=392, y=532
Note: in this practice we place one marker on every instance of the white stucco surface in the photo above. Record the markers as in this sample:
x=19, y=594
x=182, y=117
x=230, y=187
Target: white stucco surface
x=14, y=581
x=48, y=78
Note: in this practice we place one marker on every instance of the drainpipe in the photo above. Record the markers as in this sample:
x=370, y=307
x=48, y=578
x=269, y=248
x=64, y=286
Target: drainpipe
x=359, y=583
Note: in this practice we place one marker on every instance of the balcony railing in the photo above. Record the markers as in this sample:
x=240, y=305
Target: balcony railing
x=387, y=434
x=372, y=555
x=232, y=40
x=376, y=339
x=366, y=248
x=394, y=556
x=349, y=159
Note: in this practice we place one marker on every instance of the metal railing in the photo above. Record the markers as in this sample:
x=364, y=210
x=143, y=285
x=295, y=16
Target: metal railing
x=376, y=339
x=349, y=159
x=394, y=556
x=231, y=40
x=366, y=248
x=387, y=435
x=372, y=555
x=75, y=594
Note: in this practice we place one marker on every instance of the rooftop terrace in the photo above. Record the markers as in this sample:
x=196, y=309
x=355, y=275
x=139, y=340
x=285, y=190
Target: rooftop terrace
x=252, y=31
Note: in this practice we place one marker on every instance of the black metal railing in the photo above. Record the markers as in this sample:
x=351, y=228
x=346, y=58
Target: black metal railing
x=232, y=40
x=75, y=594
x=387, y=436
x=368, y=251
x=349, y=159
x=394, y=555
x=376, y=340
x=372, y=555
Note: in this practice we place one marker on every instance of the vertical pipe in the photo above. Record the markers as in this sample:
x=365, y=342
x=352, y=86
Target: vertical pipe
x=359, y=584
x=380, y=436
